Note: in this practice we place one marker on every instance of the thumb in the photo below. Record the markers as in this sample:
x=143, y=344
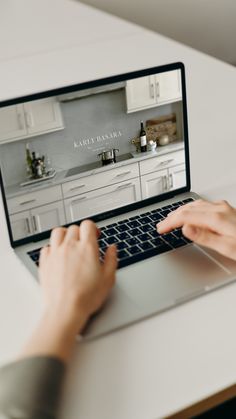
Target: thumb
x=203, y=237
x=208, y=238
x=110, y=264
x=199, y=235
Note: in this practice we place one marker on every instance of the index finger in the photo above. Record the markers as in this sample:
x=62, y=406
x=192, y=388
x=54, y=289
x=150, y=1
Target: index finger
x=198, y=218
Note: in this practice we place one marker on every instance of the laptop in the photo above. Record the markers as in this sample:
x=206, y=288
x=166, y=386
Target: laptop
x=79, y=152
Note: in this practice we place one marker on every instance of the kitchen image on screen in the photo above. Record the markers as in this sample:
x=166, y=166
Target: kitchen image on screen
x=68, y=157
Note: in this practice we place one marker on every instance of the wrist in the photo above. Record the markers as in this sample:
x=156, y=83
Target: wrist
x=68, y=320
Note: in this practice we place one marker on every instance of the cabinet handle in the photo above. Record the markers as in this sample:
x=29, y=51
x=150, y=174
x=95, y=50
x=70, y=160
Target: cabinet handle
x=171, y=180
x=152, y=90
x=79, y=199
x=164, y=163
x=34, y=223
x=28, y=118
x=164, y=183
x=158, y=89
x=28, y=202
x=76, y=187
x=124, y=186
x=123, y=173
x=19, y=117
x=27, y=225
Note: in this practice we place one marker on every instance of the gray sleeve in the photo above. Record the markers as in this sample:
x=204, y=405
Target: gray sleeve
x=30, y=388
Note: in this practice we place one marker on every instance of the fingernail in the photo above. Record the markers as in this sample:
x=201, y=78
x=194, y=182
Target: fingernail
x=158, y=226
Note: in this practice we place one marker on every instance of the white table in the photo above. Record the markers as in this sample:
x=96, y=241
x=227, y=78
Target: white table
x=163, y=364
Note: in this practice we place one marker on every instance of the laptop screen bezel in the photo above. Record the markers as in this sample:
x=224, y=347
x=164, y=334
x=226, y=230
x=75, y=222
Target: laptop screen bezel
x=96, y=83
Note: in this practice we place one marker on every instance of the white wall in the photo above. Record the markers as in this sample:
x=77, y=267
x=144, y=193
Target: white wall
x=207, y=25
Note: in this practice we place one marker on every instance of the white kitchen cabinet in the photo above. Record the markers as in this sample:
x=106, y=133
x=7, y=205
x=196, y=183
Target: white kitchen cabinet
x=34, y=199
x=12, y=123
x=140, y=93
x=21, y=225
x=162, y=162
x=155, y=183
x=43, y=115
x=48, y=216
x=168, y=86
x=177, y=177
x=101, y=200
x=150, y=91
x=108, y=177
x=37, y=220
x=30, y=119
x=162, y=181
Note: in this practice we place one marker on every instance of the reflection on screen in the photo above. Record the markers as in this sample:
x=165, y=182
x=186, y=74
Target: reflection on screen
x=69, y=157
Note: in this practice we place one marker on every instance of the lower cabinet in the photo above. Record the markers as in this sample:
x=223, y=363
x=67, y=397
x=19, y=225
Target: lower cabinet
x=162, y=181
x=37, y=220
x=154, y=183
x=21, y=225
x=103, y=199
x=177, y=177
x=48, y=216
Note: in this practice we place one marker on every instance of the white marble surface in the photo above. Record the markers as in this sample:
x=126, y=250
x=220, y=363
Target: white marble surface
x=170, y=361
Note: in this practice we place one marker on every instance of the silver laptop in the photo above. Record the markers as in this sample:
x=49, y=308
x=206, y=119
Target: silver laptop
x=114, y=150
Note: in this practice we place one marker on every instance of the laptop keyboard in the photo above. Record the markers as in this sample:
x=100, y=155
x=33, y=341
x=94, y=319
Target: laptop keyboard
x=136, y=237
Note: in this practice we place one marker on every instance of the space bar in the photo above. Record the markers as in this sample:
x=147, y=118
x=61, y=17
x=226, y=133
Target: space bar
x=144, y=255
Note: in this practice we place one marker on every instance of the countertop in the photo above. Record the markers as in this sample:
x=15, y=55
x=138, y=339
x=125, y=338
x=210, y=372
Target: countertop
x=173, y=360
x=61, y=176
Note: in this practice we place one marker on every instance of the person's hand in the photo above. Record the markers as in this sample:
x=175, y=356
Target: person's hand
x=210, y=224
x=73, y=279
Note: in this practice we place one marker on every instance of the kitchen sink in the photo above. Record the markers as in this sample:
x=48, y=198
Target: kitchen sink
x=96, y=165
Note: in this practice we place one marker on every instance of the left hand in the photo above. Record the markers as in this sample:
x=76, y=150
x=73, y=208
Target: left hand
x=73, y=279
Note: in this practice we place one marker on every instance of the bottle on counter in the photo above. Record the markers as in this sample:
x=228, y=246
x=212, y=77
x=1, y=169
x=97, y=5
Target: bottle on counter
x=28, y=160
x=143, y=139
x=34, y=165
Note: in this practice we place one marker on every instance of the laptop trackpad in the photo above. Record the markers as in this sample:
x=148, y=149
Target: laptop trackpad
x=176, y=276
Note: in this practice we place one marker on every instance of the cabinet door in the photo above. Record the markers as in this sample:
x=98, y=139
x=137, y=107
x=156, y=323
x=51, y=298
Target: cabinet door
x=140, y=93
x=168, y=86
x=154, y=183
x=34, y=199
x=48, y=216
x=101, y=200
x=43, y=115
x=21, y=225
x=177, y=177
x=12, y=123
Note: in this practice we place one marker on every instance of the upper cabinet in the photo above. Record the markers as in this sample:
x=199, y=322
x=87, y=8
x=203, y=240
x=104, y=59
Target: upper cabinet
x=30, y=119
x=150, y=91
x=12, y=123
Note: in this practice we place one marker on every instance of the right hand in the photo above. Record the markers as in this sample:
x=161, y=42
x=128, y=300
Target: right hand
x=210, y=224
x=74, y=281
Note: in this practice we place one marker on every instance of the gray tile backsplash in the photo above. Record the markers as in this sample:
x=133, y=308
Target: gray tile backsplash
x=87, y=121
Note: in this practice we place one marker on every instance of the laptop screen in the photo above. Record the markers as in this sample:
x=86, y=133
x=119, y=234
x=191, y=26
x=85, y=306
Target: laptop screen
x=93, y=149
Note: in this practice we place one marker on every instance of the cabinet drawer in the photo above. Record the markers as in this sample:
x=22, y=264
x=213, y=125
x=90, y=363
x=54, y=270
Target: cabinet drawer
x=101, y=200
x=99, y=180
x=162, y=162
x=34, y=199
